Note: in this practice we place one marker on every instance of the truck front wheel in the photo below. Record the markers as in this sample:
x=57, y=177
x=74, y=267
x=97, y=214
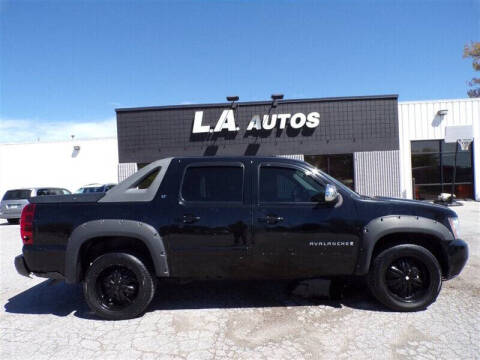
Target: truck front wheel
x=405, y=277
x=118, y=286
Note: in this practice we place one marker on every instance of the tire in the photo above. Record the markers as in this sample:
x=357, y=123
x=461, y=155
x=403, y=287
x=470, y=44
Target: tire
x=405, y=278
x=118, y=286
x=13, y=221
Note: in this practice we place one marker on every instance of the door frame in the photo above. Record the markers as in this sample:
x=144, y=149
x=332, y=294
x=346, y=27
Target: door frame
x=182, y=206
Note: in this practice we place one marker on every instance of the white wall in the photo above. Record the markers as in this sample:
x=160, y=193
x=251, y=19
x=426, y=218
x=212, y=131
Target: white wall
x=57, y=164
x=418, y=120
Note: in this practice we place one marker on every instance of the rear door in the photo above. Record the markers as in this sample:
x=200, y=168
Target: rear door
x=212, y=218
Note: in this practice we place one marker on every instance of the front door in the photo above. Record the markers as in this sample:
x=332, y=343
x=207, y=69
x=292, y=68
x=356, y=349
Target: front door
x=296, y=233
x=212, y=221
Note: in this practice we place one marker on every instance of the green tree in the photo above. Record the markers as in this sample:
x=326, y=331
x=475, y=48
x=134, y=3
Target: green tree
x=473, y=51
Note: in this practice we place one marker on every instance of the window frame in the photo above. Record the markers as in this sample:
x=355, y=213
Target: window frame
x=287, y=166
x=236, y=164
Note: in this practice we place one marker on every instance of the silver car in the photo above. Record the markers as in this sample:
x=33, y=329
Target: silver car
x=15, y=200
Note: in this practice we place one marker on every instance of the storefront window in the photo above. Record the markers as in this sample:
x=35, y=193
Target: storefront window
x=432, y=169
x=339, y=166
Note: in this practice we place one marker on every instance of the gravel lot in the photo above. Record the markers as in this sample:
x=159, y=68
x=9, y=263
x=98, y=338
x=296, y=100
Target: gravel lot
x=41, y=319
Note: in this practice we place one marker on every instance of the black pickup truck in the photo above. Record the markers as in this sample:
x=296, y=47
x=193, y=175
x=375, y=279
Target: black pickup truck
x=237, y=218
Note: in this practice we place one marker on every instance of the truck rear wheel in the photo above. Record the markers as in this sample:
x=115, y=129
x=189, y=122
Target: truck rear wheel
x=118, y=286
x=405, y=277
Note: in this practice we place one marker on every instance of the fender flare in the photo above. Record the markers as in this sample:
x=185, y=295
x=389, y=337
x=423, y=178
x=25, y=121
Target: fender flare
x=391, y=224
x=112, y=227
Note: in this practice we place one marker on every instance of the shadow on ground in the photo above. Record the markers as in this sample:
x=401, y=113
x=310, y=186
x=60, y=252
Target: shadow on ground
x=58, y=298
x=48, y=297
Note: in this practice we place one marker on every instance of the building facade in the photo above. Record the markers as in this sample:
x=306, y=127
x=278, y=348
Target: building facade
x=374, y=144
x=355, y=139
x=426, y=160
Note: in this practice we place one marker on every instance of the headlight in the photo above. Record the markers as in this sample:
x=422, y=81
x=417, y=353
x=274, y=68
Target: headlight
x=454, y=226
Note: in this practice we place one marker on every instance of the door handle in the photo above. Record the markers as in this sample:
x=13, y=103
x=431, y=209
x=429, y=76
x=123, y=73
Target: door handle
x=190, y=219
x=271, y=219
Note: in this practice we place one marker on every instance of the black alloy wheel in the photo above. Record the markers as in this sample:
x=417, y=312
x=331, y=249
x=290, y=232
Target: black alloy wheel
x=118, y=286
x=405, y=277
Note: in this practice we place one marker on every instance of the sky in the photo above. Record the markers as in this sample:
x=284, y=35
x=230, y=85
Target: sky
x=66, y=65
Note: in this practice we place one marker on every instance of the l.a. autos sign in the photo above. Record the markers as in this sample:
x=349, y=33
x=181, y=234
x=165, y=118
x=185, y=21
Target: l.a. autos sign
x=226, y=122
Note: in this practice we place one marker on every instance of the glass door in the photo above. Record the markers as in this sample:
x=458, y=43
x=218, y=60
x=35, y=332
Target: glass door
x=432, y=169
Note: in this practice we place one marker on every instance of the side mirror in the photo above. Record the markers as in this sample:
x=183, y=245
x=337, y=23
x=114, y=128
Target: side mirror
x=331, y=193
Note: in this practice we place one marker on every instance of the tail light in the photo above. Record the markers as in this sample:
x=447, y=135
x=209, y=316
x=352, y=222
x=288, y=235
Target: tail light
x=26, y=224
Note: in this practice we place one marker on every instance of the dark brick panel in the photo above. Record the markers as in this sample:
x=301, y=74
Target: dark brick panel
x=345, y=126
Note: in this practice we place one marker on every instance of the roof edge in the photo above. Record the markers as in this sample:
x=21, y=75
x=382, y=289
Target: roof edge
x=263, y=102
x=438, y=101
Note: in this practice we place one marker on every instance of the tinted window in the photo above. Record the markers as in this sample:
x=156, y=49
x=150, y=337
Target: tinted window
x=146, y=181
x=288, y=185
x=87, y=190
x=425, y=146
x=338, y=166
x=43, y=192
x=17, y=195
x=426, y=168
x=464, y=167
x=213, y=183
x=433, y=164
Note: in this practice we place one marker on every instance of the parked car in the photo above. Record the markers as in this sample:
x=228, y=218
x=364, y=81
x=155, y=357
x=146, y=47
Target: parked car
x=237, y=218
x=14, y=201
x=94, y=188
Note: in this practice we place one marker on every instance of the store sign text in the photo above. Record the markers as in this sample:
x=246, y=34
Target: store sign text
x=227, y=122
